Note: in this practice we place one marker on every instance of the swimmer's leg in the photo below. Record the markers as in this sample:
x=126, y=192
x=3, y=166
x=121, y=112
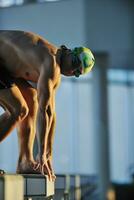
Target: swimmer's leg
x=26, y=130
x=15, y=108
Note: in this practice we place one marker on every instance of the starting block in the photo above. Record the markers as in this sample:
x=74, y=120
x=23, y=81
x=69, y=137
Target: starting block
x=37, y=186
x=25, y=187
x=68, y=187
x=11, y=187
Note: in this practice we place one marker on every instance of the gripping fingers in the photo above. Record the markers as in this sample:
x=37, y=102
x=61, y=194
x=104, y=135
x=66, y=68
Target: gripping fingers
x=51, y=170
x=36, y=166
x=45, y=170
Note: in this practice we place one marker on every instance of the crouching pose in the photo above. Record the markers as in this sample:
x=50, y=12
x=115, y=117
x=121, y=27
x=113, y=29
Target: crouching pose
x=24, y=58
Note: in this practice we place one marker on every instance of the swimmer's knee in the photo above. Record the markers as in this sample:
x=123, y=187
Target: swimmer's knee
x=20, y=112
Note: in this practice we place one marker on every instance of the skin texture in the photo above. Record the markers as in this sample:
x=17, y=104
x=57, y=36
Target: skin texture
x=28, y=57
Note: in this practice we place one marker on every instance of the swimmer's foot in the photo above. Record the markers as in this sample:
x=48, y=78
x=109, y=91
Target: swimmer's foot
x=28, y=167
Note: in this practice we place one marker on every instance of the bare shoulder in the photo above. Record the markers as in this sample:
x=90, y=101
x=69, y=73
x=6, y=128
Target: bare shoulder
x=28, y=42
x=26, y=38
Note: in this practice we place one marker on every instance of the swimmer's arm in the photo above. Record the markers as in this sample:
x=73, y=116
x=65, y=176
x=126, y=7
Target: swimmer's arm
x=51, y=132
x=44, y=115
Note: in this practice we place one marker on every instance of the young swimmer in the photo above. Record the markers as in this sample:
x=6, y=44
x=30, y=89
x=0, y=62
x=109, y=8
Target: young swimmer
x=24, y=57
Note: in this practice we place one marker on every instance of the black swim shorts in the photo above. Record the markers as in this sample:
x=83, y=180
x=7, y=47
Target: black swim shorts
x=6, y=80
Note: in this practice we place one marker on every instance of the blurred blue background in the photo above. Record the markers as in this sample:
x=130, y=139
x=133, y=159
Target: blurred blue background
x=95, y=114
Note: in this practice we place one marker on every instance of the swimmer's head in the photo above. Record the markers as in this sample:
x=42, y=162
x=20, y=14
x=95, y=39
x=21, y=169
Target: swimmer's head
x=86, y=60
x=77, y=61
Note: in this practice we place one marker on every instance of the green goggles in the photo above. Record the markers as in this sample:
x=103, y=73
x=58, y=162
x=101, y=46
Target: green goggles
x=76, y=63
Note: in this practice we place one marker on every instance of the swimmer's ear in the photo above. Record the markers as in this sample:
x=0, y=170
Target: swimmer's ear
x=63, y=47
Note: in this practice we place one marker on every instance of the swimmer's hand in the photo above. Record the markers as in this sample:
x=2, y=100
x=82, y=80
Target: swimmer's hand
x=44, y=167
x=49, y=162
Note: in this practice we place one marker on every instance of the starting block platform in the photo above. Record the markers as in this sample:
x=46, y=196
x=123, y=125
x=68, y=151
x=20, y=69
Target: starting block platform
x=76, y=187
x=25, y=187
x=38, y=187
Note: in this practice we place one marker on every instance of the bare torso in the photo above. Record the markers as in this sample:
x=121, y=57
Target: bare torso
x=23, y=54
x=28, y=56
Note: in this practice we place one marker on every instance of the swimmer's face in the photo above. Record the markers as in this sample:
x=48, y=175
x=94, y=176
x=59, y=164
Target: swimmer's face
x=70, y=64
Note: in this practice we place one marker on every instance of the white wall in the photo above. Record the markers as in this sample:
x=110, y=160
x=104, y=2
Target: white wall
x=103, y=25
x=110, y=28
x=59, y=22
x=74, y=140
